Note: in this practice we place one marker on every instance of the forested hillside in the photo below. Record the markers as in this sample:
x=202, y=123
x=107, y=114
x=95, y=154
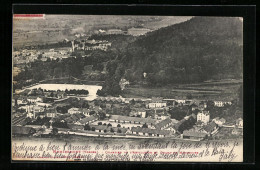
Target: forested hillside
x=200, y=49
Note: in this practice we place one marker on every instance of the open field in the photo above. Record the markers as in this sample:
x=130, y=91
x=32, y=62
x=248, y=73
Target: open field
x=208, y=90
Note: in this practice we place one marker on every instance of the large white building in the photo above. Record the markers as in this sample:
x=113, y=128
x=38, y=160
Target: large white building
x=221, y=103
x=203, y=116
x=156, y=103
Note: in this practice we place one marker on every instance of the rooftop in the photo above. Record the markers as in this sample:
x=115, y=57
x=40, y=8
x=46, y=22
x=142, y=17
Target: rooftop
x=194, y=134
x=87, y=119
x=163, y=123
x=209, y=127
x=136, y=119
x=151, y=131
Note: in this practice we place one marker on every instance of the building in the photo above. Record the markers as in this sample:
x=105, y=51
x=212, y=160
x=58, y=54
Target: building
x=180, y=101
x=75, y=117
x=85, y=112
x=185, y=124
x=75, y=126
x=61, y=95
x=203, y=105
x=74, y=110
x=132, y=120
x=150, y=132
x=210, y=128
x=22, y=101
x=32, y=99
x=222, y=103
x=237, y=131
x=156, y=103
x=38, y=109
x=51, y=112
x=193, y=135
x=141, y=112
x=160, y=113
x=30, y=115
x=138, y=113
x=163, y=124
x=194, y=106
x=88, y=120
x=239, y=123
x=219, y=121
x=123, y=83
x=203, y=116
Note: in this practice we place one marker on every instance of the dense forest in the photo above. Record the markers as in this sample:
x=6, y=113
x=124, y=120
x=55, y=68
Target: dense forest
x=202, y=48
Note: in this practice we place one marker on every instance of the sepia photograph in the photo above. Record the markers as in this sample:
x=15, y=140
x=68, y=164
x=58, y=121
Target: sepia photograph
x=127, y=88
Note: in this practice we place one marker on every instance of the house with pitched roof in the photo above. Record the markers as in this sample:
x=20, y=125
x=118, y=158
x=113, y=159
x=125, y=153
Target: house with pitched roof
x=219, y=121
x=132, y=120
x=75, y=126
x=87, y=120
x=156, y=103
x=210, y=128
x=163, y=124
x=193, y=135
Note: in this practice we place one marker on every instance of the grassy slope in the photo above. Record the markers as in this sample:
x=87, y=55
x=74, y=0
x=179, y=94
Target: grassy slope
x=227, y=91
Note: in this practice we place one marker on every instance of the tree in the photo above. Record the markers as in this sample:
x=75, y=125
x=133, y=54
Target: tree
x=189, y=96
x=93, y=128
x=118, y=125
x=112, y=130
x=99, y=123
x=210, y=104
x=54, y=131
x=178, y=113
x=87, y=127
x=132, y=102
x=145, y=126
x=119, y=131
x=102, y=115
x=109, y=125
x=92, y=112
x=39, y=56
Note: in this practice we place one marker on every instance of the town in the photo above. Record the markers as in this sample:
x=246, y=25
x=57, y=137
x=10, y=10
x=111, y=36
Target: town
x=41, y=112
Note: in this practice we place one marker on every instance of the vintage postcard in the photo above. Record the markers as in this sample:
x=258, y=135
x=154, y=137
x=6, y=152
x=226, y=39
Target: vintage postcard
x=127, y=88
